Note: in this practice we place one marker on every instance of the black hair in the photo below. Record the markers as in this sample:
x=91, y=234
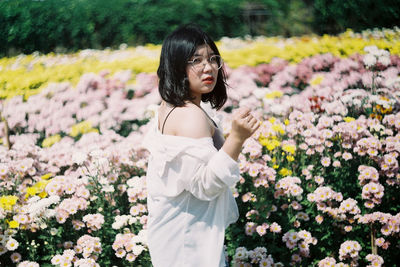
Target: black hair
x=177, y=50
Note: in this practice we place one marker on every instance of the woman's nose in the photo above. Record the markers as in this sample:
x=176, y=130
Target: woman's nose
x=207, y=66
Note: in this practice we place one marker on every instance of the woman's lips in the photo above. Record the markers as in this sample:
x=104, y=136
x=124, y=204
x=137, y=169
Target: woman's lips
x=208, y=80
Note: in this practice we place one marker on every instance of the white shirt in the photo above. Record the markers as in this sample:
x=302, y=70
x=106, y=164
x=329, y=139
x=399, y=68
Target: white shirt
x=189, y=200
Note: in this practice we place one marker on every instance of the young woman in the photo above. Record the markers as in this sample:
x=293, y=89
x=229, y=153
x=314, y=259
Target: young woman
x=192, y=167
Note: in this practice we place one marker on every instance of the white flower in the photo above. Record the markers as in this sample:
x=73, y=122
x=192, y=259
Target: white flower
x=97, y=153
x=79, y=157
x=108, y=189
x=132, y=220
x=369, y=60
x=371, y=49
x=384, y=60
x=12, y=244
x=120, y=221
x=357, y=102
x=151, y=110
x=241, y=253
x=259, y=93
x=38, y=206
x=137, y=249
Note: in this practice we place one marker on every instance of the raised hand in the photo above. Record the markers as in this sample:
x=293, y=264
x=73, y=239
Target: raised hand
x=243, y=124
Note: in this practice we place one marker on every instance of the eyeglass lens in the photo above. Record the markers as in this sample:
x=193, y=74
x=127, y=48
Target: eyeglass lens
x=215, y=61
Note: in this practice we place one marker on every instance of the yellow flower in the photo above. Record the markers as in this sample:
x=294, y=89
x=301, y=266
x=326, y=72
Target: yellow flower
x=7, y=202
x=272, y=120
x=289, y=148
x=278, y=128
x=31, y=191
x=274, y=94
x=316, y=80
x=43, y=194
x=348, y=119
x=82, y=128
x=290, y=158
x=286, y=122
x=46, y=176
x=275, y=166
x=272, y=144
x=51, y=140
x=285, y=172
x=13, y=224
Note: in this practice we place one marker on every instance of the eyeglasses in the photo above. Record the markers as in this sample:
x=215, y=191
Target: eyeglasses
x=215, y=62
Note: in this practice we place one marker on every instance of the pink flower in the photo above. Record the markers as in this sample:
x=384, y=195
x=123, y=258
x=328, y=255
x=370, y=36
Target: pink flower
x=275, y=228
x=261, y=229
x=94, y=221
x=325, y=161
x=375, y=260
x=319, y=219
x=250, y=228
x=15, y=257
x=380, y=241
x=349, y=249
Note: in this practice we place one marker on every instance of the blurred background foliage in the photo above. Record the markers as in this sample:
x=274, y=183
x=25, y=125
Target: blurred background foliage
x=69, y=25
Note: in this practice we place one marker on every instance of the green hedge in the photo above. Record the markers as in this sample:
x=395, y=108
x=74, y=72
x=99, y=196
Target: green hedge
x=69, y=25
x=335, y=16
x=27, y=26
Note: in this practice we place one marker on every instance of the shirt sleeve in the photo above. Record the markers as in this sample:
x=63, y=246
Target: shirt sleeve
x=214, y=177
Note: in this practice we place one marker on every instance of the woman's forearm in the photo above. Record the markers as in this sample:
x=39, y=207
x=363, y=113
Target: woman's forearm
x=233, y=146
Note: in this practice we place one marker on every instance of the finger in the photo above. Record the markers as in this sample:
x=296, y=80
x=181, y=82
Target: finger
x=255, y=126
x=243, y=112
x=254, y=121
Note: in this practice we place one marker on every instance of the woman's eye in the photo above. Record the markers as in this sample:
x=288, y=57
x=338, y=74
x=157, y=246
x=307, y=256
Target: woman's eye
x=213, y=59
x=196, y=61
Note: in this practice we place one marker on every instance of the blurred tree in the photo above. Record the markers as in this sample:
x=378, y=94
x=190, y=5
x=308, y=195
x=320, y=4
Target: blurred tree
x=334, y=16
x=69, y=25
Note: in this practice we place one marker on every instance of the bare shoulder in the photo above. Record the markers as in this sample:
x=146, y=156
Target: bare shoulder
x=188, y=121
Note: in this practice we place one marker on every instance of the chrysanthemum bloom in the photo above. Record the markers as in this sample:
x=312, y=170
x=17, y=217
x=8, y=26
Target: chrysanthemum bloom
x=12, y=244
x=261, y=230
x=349, y=249
x=15, y=257
x=375, y=260
x=380, y=241
x=347, y=156
x=319, y=219
x=130, y=257
x=250, y=228
x=325, y=161
x=94, y=221
x=275, y=228
x=348, y=228
x=327, y=262
x=28, y=264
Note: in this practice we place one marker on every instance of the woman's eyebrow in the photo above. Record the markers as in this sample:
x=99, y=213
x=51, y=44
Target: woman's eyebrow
x=198, y=55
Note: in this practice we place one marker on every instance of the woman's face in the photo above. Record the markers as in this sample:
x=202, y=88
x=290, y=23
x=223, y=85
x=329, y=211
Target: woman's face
x=203, y=76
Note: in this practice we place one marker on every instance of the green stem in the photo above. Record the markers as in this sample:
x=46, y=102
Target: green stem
x=374, y=248
x=6, y=131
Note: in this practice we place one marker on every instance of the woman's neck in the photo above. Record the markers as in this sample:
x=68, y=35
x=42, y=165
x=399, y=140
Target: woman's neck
x=196, y=100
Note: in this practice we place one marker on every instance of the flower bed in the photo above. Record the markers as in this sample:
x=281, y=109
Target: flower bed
x=28, y=74
x=319, y=178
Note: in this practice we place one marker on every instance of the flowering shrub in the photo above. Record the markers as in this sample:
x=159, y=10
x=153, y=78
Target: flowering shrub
x=319, y=178
x=28, y=74
x=62, y=203
x=324, y=164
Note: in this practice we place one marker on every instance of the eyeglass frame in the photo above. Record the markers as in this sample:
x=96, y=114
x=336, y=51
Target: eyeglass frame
x=219, y=60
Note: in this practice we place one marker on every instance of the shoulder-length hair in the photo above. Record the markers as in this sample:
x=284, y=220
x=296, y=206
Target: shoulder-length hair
x=177, y=49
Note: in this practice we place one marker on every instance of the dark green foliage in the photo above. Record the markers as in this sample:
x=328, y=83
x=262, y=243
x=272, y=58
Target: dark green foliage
x=68, y=25
x=334, y=16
